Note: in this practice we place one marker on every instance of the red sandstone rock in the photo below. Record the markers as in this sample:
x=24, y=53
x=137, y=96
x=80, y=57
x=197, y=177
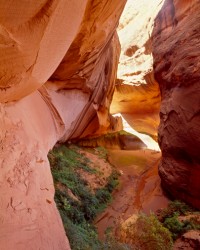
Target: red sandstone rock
x=137, y=93
x=36, y=36
x=88, y=71
x=189, y=241
x=177, y=70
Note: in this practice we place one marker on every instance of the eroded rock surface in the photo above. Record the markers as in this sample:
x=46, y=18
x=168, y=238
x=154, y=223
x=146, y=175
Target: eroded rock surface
x=137, y=94
x=34, y=37
x=177, y=70
x=73, y=45
x=189, y=241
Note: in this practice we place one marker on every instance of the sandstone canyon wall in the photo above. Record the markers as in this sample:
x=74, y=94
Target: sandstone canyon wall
x=58, y=61
x=177, y=69
x=137, y=94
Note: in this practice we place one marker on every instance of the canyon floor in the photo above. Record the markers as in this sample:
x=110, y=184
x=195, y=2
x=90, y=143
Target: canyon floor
x=110, y=188
x=139, y=189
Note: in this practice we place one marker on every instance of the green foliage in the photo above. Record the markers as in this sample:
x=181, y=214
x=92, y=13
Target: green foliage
x=170, y=218
x=173, y=208
x=177, y=227
x=113, y=181
x=147, y=233
x=77, y=214
x=112, y=244
x=81, y=235
x=194, y=223
x=104, y=195
x=102, y=152
x=174, y=226
x=62, y=156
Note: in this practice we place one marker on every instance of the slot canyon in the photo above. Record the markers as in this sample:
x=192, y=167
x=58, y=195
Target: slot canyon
x=82, y=72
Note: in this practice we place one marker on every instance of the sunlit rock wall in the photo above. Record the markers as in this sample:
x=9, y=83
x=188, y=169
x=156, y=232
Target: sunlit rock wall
x=137, y=94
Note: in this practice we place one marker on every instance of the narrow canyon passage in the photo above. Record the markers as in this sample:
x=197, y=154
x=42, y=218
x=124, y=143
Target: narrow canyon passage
x=139, y=188
x=137, y=100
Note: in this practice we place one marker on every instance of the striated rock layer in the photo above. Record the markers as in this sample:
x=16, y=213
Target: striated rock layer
x=177, y=70
x=58, y=61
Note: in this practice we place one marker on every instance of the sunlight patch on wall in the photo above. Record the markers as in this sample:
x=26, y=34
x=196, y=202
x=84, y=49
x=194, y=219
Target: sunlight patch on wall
x=134, y=31
x=150, y=143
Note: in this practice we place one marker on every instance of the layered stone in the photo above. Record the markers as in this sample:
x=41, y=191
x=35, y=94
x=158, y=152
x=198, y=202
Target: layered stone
x=177, y=70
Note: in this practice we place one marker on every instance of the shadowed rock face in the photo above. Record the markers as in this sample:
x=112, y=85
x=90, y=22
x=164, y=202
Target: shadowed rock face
x=176, y=54
x=58, y=61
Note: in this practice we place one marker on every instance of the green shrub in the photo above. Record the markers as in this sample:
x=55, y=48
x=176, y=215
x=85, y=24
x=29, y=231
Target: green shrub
x=77, y=215
x=170, y=218
x=147, y=233
x=81, y=236
x=113, y=181
x=174, y=226
x=173, y=208
x=177, y=227
x=103, y=195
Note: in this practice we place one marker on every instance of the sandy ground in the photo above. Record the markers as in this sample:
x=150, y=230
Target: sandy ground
x=139, y=189
x=103, y=167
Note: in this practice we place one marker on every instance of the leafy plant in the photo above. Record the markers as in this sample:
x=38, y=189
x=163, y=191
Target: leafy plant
x=147, y=233
x=174, y=226
x=113, y=181
x=170, y=218
x=177, y=227
x=173, y=208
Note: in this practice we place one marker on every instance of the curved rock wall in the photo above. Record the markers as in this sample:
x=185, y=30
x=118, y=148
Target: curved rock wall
x=177, y=70
x=73, y=45
x=89, y=68
x=34, y=38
